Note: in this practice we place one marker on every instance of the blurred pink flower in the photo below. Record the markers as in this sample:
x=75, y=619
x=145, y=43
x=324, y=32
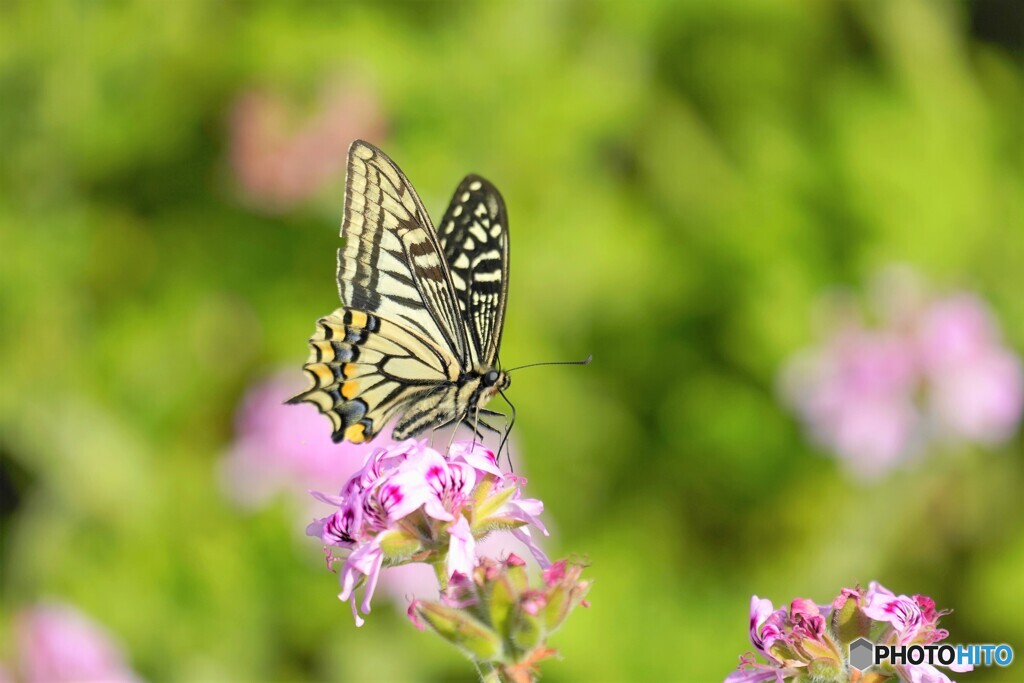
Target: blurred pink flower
x=282, y=448
x=59, y=644
x=978, y=386
x=282, y=159
x=856, y=395
x=934, y=372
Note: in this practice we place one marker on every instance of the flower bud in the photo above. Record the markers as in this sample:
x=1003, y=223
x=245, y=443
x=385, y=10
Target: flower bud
x=825, y=669
x=462, y=630
x=848, y=622
x=497, y=616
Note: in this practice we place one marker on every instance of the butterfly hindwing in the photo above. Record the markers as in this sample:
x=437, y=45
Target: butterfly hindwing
x=363, y=369
x=474, y=237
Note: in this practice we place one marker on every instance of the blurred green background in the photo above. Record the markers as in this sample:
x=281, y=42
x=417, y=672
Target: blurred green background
x=683, y=180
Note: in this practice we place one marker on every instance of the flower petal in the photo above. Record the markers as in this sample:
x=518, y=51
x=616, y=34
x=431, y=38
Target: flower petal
x=461, y=550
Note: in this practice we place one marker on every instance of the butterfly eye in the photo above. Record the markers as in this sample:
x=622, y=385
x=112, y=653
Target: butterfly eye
x=491, y=378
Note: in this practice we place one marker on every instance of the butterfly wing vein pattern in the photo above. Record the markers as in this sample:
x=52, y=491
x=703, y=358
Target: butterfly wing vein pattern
x=420, y=326
x=391, y=263
x=475, y=243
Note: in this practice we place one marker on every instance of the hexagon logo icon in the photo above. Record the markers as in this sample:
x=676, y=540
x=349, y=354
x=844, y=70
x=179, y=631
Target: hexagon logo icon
x=862, y=654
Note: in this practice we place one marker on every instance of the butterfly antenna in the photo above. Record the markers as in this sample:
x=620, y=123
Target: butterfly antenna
x=508, y=430
x=585, y=361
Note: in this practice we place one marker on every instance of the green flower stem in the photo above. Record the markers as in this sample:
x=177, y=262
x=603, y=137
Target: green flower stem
x=441, y=571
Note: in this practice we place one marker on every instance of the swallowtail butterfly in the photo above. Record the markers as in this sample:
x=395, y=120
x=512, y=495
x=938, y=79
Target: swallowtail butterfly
x=419, y=330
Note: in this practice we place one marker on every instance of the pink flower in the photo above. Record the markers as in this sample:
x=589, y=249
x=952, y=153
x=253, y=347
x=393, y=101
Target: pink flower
x=912, y=620
x=807, y=619
x=932, y=370
x=58, y=643
x=766, y=625
x=461, y=556
x=856, y=395
x=282, y=449
x=925, y=673
x=411, y=504
x=955, y=330
x=902, y=612
x=812, y=641
x=280, y=158
x=978, y=384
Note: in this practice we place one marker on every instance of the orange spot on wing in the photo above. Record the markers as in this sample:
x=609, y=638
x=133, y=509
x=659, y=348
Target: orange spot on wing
x=349, y=389
x=356, y=433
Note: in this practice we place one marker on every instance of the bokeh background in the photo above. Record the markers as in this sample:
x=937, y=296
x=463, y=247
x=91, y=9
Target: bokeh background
x=684, y=181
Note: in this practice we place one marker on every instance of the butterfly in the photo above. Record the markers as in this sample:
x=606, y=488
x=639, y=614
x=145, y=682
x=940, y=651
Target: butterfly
x=419, y=330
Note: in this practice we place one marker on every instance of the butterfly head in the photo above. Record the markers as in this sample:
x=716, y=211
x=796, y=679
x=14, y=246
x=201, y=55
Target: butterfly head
x=495, y=381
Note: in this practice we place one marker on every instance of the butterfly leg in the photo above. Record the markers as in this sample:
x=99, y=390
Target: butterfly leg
x=487, y=426
x=506, y=429
x=476, y=429
x=455, y=431
x=477, y=423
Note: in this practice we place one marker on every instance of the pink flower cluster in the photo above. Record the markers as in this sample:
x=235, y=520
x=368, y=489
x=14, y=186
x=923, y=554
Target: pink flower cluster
x=811, y=640
x=932, y=371
x=281, y=159
x=58, y=644
x=410, y=503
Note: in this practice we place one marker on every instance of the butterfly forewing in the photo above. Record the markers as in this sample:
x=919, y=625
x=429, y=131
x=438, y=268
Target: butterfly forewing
x=391, y=262
x=474, y=237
